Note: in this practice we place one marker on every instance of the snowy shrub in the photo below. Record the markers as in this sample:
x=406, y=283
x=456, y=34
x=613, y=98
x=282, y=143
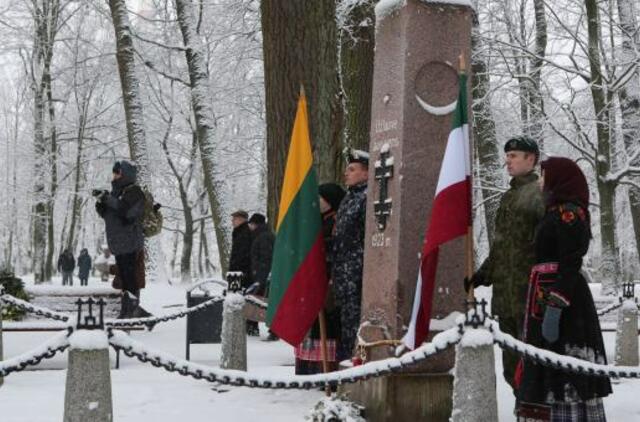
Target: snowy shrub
x=15, y=287
x=336, y=409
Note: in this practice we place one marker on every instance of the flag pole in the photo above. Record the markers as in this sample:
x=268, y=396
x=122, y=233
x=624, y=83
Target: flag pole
x=469, y=237
x=323, y=347
x=321, y=318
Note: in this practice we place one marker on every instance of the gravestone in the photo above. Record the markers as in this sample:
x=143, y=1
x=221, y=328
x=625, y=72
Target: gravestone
x=418, y=44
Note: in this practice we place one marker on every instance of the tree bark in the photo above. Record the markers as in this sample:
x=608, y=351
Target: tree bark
x=300, y=47
x=536, y=102
x=484, y=135
x=630, y=102
x=205, y=125
x=357, y=45
x=606, y=189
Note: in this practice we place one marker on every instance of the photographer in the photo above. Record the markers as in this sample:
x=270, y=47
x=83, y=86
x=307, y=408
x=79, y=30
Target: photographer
x=122, y=210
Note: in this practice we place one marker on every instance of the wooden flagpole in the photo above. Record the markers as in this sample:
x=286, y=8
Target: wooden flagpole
x=469, y=267
x=323, y=347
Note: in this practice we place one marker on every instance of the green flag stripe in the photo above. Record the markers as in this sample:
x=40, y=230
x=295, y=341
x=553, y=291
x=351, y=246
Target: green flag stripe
x=295, y=238
x=460, y=114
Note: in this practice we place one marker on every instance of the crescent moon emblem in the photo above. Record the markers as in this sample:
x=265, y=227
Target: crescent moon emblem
x=437, y=110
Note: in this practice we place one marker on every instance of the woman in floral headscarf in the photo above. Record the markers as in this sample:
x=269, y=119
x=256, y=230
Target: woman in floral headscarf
x=561, y=316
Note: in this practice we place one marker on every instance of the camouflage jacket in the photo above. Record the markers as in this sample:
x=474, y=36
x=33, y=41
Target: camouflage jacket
x=348, y=245
x=512, y=254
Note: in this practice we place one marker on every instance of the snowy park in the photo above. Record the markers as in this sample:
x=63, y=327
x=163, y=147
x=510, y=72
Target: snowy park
x=322, y=210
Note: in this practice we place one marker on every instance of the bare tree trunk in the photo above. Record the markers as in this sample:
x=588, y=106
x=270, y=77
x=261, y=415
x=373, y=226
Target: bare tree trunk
x=205, y=124
x=536, y=102
x=357, y=22
x=484, y=135
x=300, y=47
x=606, y=189
x=630, y=101
x=77, y=200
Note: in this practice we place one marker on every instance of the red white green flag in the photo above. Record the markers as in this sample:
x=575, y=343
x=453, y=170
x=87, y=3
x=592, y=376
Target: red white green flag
x=450, y=217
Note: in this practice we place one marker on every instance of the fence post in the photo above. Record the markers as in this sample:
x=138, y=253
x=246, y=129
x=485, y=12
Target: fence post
x=627, y=329
x=234, y=336
x=88, y=386
x=474, y=385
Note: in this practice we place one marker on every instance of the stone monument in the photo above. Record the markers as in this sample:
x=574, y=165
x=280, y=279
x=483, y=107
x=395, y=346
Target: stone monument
x=418, y=44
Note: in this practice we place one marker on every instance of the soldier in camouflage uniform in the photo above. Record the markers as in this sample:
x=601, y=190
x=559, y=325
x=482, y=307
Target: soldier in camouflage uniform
x=511, y=254
x=348, y=251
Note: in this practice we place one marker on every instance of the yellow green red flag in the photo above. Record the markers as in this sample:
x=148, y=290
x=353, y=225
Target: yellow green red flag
x=298, y=272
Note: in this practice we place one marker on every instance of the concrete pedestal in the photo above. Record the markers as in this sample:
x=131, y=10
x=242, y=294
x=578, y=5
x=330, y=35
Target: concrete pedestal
x=404, y=397
x=88, y=389
x=627, y=334
x=234, y=335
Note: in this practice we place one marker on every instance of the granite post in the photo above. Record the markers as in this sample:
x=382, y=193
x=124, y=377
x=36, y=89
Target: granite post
x=418, y=44
x=88, y=387
x=627, y=334
x=234, y=336
x=474, y=386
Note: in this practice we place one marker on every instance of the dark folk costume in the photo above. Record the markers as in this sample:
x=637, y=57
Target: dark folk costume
x=560, y=313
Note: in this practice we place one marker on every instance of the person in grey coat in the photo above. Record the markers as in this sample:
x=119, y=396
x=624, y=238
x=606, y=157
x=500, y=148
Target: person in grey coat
x=122, y=210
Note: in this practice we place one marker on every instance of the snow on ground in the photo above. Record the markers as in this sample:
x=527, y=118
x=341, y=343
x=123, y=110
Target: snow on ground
x=144, y=393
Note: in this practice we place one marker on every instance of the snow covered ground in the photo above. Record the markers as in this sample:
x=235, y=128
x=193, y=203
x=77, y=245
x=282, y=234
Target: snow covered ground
x=144, y=393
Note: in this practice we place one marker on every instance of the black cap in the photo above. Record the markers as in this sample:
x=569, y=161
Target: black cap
x=240, y=213
x=357, y=156
x=258, y=218
x=117, y=167
x=523, y=143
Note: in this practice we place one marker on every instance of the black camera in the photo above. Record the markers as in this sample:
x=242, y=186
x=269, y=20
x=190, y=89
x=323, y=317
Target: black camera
x=98, y=192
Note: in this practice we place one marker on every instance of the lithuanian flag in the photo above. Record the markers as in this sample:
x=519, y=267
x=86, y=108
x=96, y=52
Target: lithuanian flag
x=298, y=273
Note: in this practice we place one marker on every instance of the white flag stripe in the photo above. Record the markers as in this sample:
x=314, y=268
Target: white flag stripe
x=409, y=338
x=453, y=169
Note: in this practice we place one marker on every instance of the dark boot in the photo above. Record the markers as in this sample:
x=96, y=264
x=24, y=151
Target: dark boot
x=124, y=306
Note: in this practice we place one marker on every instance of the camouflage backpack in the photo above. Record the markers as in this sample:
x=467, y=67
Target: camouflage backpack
x=152, y=217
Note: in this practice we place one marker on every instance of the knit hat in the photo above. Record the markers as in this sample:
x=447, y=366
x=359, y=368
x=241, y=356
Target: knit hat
x=258, y=219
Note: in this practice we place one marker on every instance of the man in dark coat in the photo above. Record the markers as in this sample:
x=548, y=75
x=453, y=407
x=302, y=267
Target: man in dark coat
x=261, y=250
x=122, y=210
x=84, y=266
x=511, y=254
x=348, y=251
x=261, y=256
x=241, y=239
x=66, y=265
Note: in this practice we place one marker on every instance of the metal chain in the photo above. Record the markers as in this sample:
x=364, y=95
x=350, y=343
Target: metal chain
x=440, y=342
x=607, y=309
x=38, y=310
x=36, y=358
x=150, y=322
x=255, y=301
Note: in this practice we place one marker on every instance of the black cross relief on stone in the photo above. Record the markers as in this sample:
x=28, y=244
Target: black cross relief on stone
x=383, y=172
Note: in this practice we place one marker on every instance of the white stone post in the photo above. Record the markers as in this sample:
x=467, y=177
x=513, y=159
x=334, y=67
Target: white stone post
x=88, y=388
x=234, y=336
x=474, y=386
x=627, y=334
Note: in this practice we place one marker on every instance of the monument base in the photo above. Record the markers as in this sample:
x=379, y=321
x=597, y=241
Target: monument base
x=404, y=397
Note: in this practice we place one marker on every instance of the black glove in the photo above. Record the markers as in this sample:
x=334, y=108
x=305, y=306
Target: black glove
x=475, y=281
x=252, y=288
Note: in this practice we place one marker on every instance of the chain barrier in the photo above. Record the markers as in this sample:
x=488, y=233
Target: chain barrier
x=255, y=301
x=48, y=350
x=132, y=348
x=150, y=322
x=609, y=308
x=34, y=309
